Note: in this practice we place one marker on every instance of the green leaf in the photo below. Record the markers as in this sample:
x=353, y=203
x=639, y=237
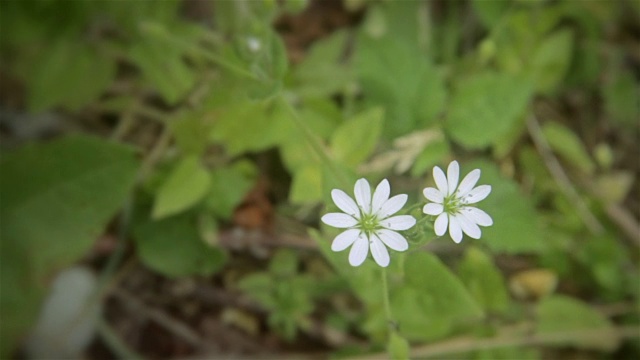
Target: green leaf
x=398, y=347
x=484, y=280
x=551, y=61
x=490, y=12
x=396, y=75
x=568, y=145
x=229, y=186
x=516, y=227
x=162, y=64
x=321, y=74
x=306, y=186
x=322, y=117
x=605, y=258
x=485, y=106
x=284, y=263
x=70, y=75
x=504, y=353
x=356, y=138
x=260, y=287
x=269, y=64
x=186, y=186
x=191, y=131
x=429, y=307
x=57, y=198
x=173, y=247
x=561, y=317
x=622, y=96
x=21, y=295
x=261, y=124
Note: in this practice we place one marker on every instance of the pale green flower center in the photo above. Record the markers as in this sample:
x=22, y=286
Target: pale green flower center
x=369, y=224
x=452, y=204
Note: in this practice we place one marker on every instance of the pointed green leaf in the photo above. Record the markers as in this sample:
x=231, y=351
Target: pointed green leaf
x=484, y=280
x=174, y=248
x=396, y=75
x=552, y=60
x=252, y=126
x=57, y=197
x=186, y=186
x=438, y=300
x=562, y=318
x=229, y=186
x=307, y=185
x=69, y=75
x=321, y=72
x=485, y=106
x=162, y=64
x=568, y=145
x=356, y=138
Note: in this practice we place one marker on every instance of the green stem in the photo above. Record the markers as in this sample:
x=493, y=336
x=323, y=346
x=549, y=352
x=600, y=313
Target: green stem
x=115, y=343
x=315, y=143
x=157, y=30
x=385, y=298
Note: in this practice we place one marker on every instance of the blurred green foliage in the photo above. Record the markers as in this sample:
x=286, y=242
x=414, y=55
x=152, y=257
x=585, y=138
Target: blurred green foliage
x=410, y=86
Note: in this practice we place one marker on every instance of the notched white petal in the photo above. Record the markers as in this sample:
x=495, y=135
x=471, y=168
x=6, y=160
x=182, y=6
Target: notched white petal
x=345, y=239
x=468, y=227
x=379, y=252
x=433, y=194
x=362, y=191
x=453, y=173
x=468, y=182
x=359, y=250
x=393, y=240
x=477, y=194
x=345, y=203
x=433, y=209
x=440, y=226
x=478, y=216
x=380, y=195
x=339, y=220
x=392, y=206
x=455, y=231
x=441, y=180
x=401, y=222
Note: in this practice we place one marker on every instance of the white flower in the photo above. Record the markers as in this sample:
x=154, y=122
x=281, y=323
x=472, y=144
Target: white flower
x=369, y=222
x=253, y=44
x=451, y=203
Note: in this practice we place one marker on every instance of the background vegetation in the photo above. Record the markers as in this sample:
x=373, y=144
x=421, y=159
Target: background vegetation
x=184, y=150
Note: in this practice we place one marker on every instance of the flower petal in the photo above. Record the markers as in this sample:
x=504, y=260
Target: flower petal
x=345, y=203
x=478, y=216
x=379, y=252
x=433, y=209
x=392, y=206
x=339, y=220
x=453, y=173
x=432, y=194
x=455, y=231
x=359, y=250
x=362, y=191
x=468, y=182
x=345, y=239
x=393, y=240
x=469, y=227
x=401, y=222
x=441, y=180
x=477, y=194
x=440, y=226
x=380, y=195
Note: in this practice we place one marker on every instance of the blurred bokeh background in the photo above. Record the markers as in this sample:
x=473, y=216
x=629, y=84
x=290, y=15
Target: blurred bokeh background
x=164, y=165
